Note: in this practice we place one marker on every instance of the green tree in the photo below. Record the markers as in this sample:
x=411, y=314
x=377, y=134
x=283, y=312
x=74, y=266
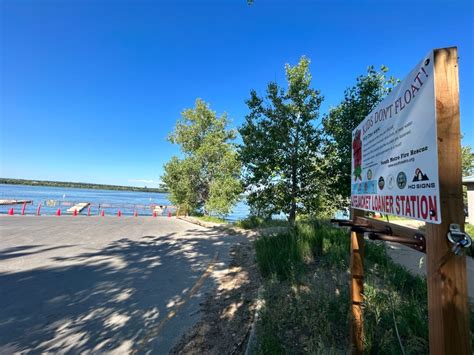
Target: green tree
x=359, y=100
x=467, y=160
x=206, y=179
x=280, y=145
x=467, y=167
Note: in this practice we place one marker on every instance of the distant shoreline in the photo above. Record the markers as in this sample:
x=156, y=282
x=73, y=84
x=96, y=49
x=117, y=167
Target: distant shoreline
x=79, y=185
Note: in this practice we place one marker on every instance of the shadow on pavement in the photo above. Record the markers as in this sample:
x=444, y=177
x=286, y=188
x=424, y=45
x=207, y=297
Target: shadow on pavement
x=25, y=250
x=109, y=299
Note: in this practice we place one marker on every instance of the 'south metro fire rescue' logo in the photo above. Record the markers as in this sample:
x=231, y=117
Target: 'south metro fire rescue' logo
x=357, y=156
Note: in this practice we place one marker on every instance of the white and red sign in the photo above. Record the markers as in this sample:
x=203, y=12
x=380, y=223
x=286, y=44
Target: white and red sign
x=394, y=151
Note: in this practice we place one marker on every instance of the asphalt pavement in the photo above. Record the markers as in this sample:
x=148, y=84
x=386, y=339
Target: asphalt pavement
x=103, y=284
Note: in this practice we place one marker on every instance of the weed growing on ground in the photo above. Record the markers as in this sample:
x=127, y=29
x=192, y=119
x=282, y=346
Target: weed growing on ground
x=307, y=303
x=307, y=242
x=212, y=219
x=258, y=222
x=289, y=324
x=394, y=300
x=279, y=256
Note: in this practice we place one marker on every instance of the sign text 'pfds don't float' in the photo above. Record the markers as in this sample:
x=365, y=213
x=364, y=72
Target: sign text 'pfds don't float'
x=394, y=151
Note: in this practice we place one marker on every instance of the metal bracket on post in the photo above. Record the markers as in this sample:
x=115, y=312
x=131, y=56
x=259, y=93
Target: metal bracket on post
x=385, y=233
x=458, y=238
x=417, y=241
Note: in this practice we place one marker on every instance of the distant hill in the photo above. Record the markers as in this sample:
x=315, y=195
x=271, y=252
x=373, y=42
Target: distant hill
x=79, y=185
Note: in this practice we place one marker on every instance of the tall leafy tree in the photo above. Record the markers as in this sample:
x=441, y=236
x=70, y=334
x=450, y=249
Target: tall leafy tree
x=280, y=145
x=467, y=167
x=467, y=160
x=207, y=178
x=359, y=100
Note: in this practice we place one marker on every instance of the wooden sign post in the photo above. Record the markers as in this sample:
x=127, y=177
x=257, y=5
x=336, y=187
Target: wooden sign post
x=446, y=273
x=357, y=288
x=438, y=201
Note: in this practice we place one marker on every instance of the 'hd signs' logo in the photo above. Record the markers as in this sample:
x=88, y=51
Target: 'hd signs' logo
x=420, y=176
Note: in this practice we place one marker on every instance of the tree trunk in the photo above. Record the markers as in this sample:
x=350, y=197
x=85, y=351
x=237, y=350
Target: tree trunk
x=292, y=216
x=294, y=185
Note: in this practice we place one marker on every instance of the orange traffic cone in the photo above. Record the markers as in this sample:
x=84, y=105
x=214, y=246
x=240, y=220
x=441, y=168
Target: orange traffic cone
x=23, y=209
x=11, y=212
x=38, y=210
x=154, y=214
x=119, y=213
x=135, y=214
x=102, y=213
x=75, y=213
x=58, y=212
x=169, y=214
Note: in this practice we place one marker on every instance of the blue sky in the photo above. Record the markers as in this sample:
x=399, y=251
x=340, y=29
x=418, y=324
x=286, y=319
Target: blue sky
x=89, y=90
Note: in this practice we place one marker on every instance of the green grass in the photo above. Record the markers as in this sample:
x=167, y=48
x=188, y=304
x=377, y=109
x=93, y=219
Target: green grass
x=469, y=228
x=212, y=219
x=306, y=295
x=281, y=256
x=286, y=256
x=303, y=319
x=257, y=222
x=392, y=292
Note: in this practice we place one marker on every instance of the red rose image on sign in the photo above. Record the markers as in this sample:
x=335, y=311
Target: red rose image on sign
x=357, y=156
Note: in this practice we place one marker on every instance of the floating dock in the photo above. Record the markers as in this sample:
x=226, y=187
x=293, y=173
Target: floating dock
x=78, y=207
x=158, y=209
x=14, y=202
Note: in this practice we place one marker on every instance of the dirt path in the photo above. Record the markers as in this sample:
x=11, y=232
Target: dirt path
x=227, y=313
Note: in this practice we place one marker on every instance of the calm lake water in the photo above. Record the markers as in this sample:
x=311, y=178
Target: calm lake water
x=52, y=198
